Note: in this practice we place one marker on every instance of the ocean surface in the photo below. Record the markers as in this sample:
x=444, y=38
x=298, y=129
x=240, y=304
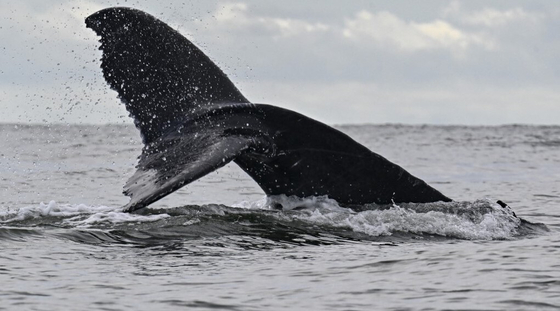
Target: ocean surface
x=218, y=245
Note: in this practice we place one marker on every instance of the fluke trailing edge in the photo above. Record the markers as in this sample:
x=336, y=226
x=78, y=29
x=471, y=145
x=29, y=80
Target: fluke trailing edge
x=193, y=120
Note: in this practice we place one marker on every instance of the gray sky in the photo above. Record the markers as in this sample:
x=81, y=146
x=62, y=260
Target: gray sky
x=435, y=62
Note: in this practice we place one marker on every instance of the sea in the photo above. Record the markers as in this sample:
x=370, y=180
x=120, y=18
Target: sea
x=218, y=243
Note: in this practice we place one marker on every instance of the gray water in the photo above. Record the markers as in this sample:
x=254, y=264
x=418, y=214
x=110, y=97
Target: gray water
x=217, y=245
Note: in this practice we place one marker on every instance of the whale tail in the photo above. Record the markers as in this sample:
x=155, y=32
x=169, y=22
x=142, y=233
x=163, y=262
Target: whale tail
x=193, y=120
x=158, y=74
x=165, y=81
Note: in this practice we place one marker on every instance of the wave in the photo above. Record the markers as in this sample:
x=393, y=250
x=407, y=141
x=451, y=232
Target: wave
x=277, y=220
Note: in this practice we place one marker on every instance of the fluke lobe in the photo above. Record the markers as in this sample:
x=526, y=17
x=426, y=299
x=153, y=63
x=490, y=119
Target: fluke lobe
x=193, y=120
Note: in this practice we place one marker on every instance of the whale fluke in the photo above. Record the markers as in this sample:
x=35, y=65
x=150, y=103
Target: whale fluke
x=159, y=75
x=193, y=120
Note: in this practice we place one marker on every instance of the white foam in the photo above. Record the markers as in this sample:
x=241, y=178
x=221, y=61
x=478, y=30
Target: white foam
x=288, y=203
x=257, y=204
x=80, y=215
x=114, y=217
x=477, y=220
x=493, y=225
x=466, y=220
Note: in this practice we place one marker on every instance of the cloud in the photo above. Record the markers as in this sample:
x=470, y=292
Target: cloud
x=490, y=17
x=386, y=29
x=236, y=15
x=459, y=62
x=382, y=29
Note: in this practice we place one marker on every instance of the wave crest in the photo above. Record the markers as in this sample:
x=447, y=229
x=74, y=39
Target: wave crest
x=315, y=220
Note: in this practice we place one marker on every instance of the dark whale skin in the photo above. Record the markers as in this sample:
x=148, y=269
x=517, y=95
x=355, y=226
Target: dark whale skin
x=193, y=120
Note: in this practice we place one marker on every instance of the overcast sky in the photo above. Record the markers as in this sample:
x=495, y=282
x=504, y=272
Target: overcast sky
x=434, y=62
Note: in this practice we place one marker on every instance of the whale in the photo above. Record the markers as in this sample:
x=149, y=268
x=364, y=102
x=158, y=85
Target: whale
x=193, y=121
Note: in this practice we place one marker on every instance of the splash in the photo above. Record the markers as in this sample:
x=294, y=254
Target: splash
x=478, y=220
x=281, y=217
x=73, y=215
